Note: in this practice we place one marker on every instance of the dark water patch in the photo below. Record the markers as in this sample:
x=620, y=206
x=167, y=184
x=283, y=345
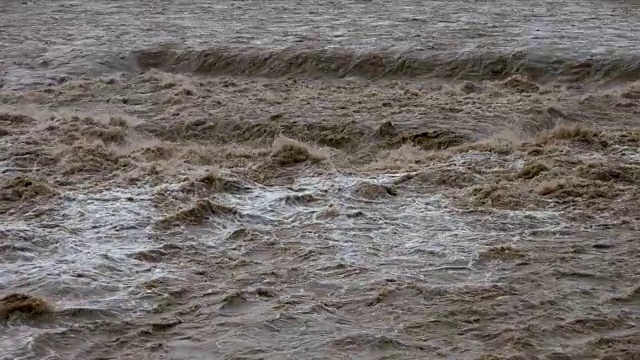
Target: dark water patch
x=632, y=296
x=448, y=177
x=435, y=140
x=85, y=314
x=610, y=172
x=360, y=341
x=300, y=199
x=234, y=302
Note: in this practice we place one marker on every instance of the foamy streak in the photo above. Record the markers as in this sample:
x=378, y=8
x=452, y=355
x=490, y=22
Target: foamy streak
x=376, y=64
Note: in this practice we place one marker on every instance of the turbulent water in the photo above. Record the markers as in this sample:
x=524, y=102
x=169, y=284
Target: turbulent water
x=319, y=179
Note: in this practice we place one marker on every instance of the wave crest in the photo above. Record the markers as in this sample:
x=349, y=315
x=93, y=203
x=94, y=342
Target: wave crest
x=248, y=61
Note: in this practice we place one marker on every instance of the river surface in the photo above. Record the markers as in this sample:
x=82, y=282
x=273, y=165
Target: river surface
x=319, y=180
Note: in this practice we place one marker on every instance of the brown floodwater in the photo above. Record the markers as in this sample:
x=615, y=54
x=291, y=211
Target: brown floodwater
x=319, y=180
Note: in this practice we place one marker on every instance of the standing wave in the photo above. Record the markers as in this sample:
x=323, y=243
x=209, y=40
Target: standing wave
x=471, y=65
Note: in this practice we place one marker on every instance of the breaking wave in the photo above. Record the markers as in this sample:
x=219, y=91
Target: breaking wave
x=342, y=62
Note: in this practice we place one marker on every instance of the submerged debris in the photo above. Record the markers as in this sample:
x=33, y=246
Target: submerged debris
x=549, y=187
x=387, y=130
x=521, y=84
x=577, y=133
x=23, y=188
x=292, y=154
x=374, y=191
x=500, y=253
x=18, y=190
x=212, y=182
x=22, y=304
x=532, y=170
x=196, y=214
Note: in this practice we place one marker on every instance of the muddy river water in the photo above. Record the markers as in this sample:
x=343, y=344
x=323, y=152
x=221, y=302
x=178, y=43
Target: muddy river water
x=319, y=179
